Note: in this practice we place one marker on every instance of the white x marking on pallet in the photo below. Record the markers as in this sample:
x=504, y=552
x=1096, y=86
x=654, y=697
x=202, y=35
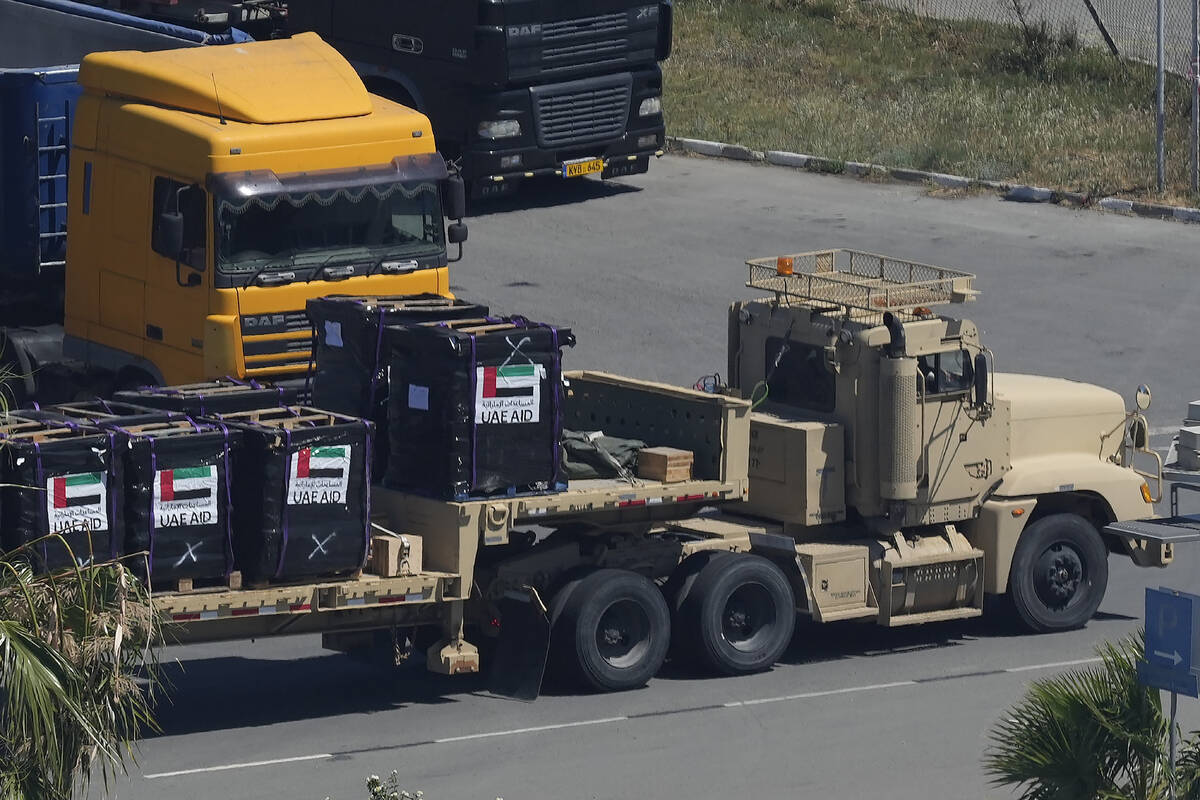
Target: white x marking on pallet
x=320, y=548
x=189, y=553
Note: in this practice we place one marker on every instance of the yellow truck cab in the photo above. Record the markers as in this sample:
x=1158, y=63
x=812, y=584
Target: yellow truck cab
x=213, y=190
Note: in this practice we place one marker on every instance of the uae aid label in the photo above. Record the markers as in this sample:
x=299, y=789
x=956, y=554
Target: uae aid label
x=186, y=496
x=77, y=503
x=319, y=476
x=505, y=395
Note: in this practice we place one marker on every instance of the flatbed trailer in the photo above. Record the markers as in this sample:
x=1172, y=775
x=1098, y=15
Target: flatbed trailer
x=458, y=537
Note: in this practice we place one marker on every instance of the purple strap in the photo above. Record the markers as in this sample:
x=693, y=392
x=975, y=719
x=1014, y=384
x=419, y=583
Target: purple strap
x=154, y=482
x=228, y=506
x=474, y=427
x=555, y=399
x=283, y=516
x=44, y=511
x=112, y=499
x=367, y=493
x=375, y=366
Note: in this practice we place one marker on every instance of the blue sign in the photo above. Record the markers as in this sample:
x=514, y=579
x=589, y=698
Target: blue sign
x=1169, y=630
x=1168, y=679
x=1172, y=619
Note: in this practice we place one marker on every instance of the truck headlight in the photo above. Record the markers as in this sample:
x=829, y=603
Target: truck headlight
x=499, y=129
x=650, y=106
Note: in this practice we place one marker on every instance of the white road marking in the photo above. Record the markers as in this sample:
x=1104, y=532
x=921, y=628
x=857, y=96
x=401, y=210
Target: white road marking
x=1054, y=664
x=826, y=693
x=243, y=765
x=605, y=720
x=515, y=731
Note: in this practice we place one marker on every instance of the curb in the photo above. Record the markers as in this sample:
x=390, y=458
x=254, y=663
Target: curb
x=1017, y=193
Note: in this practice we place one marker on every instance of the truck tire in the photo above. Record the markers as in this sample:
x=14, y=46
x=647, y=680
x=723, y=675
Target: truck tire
x=1059, y=573
x=612, y=628
x=738, y=615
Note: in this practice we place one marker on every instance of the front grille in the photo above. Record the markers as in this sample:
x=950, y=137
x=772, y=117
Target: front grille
x=582, y=111
x=585, y=26
x=280, y=354
x=592, y=53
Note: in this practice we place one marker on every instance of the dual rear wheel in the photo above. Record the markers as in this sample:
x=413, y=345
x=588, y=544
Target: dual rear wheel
x=732, y=613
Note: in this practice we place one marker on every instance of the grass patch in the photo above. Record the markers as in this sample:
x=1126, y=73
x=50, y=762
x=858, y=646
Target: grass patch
x=853, y=83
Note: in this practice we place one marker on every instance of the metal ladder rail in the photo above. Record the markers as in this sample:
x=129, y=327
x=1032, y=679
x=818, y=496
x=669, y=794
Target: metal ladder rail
x=55, y=153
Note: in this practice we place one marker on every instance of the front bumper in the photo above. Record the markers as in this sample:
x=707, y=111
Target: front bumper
x=616, y=165
x=592, y=118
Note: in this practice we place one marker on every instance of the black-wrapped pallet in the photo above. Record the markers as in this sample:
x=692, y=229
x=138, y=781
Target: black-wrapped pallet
x=220, y=396
x=60, y=478
x=301, y=497
x=177, y=495
x=349, y=361
x=176, y=476
x=475, y=409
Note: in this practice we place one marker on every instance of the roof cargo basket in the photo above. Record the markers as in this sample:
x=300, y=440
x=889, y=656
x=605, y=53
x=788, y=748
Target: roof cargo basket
x=855, y=281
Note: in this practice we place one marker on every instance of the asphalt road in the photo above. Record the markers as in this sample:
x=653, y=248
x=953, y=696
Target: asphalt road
x=642, y=271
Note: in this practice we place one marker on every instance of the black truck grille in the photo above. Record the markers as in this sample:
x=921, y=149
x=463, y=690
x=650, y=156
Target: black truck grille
x=585, y=26
x=581, y=111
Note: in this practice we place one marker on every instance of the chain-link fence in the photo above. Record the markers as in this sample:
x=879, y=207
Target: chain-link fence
x=1128, y=24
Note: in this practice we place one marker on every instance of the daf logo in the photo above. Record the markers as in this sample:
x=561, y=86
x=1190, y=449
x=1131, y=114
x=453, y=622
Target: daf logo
x=265, y=321
x=519, y=31
x=647, y=12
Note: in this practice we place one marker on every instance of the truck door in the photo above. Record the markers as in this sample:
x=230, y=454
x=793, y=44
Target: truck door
x=958, y=458
x=177, y=280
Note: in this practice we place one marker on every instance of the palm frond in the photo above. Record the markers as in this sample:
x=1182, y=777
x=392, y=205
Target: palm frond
x=1088, y=733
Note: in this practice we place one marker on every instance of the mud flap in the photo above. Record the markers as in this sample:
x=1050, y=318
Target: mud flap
x=520, y=659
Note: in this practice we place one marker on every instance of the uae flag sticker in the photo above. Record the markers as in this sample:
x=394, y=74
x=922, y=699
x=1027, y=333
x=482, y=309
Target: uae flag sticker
x=506, y=395
x=319, y=475
x=185, y=496
x=76, y=503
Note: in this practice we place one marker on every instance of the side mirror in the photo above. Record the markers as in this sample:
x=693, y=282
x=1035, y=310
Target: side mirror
x=168, y=234
x=1142, y=398
x=982, y=387
x=456, y=233
x=454, y=201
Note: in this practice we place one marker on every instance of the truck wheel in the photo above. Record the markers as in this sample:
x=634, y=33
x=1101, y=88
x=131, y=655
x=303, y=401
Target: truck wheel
x=613, y=628
x=738, y=615
x=1059, y=573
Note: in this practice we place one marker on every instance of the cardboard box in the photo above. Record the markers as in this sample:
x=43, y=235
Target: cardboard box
x=666, y=464
x=394, y=554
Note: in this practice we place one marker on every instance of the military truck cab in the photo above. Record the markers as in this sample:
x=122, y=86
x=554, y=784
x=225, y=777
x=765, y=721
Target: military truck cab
x=879, y=425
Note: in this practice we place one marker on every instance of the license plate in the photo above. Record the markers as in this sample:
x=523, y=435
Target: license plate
x=584, y=166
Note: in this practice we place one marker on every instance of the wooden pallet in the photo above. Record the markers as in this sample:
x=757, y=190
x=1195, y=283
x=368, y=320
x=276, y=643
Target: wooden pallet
x=191, y=585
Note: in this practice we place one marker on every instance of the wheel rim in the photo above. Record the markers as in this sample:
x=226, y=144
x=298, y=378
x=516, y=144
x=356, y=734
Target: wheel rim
x=623, y=634
x=1060, y=576
x=748, y=616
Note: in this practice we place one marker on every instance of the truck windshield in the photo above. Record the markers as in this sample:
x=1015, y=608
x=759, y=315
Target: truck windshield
x=396, y=220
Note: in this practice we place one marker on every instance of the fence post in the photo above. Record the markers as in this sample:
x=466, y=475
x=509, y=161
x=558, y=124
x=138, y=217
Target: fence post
x=1194, y=145
x=1160, y=109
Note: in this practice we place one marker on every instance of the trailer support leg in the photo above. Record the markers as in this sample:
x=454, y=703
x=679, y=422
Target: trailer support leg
x=452, y=654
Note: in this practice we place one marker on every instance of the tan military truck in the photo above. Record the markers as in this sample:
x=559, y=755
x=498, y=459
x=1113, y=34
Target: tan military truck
x=865, y=463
